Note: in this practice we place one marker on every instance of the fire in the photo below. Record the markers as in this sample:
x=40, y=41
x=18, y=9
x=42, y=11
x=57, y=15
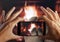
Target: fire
x=32, y=27
x=30, y=11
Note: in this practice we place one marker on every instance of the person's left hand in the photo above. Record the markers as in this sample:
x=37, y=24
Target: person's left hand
x=52, y=20
x=10, y=21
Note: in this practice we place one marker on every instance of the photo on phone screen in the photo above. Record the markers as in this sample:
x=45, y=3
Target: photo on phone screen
x=31, y=28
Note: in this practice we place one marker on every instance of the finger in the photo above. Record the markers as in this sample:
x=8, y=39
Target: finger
x=48, y=21
x=56, y=25
x=51, y=11
x=15, y=15
x=53, y=27
x=13, y=23
x=10, y=12
x=2, y=26
x=55, y=14
x=48, y=14
x=3, y=14
x=43, y=9
x=9, y=27
x=1, y=18
x=52, y=24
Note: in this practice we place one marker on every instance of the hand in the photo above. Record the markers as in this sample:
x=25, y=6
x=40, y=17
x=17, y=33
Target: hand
x=8, y=25
x=52, y=19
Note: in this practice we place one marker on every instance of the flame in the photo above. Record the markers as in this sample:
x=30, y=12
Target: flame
x=32, y=27
x=30, y=11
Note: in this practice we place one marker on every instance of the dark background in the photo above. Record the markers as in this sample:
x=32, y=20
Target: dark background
x=8, y=4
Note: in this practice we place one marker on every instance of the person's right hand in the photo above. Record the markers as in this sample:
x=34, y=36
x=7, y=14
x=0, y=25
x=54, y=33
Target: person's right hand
x=53, y=21
x=6, y=29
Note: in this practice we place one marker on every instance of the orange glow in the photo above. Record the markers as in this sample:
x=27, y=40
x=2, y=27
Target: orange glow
x=30, y=11
x=24, y=30
x=32, y=27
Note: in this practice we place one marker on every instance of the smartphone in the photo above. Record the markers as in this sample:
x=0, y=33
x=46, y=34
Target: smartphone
x=33, y=25
x=31, y=28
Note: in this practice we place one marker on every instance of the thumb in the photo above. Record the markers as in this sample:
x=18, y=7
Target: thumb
x=7, y=33
x=12, y=24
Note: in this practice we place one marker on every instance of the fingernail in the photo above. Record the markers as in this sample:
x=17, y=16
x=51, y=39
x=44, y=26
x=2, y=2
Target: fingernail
x=14, y=7
x=41, y=7
x=47, y=8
